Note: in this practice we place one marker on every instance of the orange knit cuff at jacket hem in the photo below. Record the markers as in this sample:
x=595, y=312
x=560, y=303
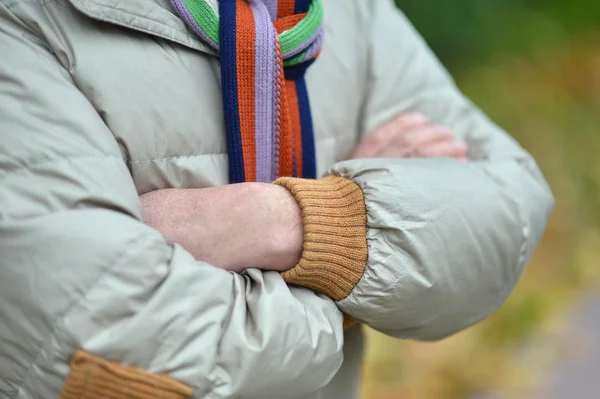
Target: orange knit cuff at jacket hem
x=92, y=377
x=335, y=235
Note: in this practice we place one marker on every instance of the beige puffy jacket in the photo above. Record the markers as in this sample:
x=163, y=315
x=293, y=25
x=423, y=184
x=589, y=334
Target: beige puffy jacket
x=103, y=100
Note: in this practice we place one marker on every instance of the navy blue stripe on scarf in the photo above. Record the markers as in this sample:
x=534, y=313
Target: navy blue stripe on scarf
x=309, y=163
x=229, y=87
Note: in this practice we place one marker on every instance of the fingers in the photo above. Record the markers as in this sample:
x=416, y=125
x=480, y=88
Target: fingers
x=399, y=130
x=427, y=141
x=410, y=136
x=425, y=136
x=451, y=148
x=404, y=123
x=375, y=144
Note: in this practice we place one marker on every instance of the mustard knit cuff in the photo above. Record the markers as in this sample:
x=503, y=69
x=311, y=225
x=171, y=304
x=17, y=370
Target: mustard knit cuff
x=92, y=377
x=334, y=256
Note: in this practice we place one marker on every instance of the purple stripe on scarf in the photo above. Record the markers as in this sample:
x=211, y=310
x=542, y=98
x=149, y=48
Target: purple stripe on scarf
x=264, y=86
x=272, y=7
x=184, y=13
x=315, y=46
x=316, y=37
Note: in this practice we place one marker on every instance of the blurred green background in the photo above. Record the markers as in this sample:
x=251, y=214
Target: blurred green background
x=534, y=68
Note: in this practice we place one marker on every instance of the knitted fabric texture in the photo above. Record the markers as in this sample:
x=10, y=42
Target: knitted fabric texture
x=94, y=378
x=334, y=257
x=265, y=47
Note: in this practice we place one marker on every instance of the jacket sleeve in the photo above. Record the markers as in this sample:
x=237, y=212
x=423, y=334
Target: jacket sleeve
x=79, y=270
x=446, y=241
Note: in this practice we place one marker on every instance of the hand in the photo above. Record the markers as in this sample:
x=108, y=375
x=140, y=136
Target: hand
x=235, y=227
x=410, y=136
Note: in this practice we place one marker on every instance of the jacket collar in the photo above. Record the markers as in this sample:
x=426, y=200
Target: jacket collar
x=154, y=17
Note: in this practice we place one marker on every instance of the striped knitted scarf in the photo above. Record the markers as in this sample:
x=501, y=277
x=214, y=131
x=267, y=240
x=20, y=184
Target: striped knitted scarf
x=265, y=47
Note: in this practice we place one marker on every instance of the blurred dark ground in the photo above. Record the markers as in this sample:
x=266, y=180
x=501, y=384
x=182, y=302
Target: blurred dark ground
x=534, y=68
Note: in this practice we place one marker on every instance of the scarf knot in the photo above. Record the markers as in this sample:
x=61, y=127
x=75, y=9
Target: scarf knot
x=265, y=47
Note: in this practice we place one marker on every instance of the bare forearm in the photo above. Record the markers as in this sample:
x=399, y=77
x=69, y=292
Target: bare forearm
x=235, y=227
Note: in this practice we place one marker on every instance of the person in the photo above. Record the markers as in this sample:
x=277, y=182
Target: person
x=365, y=190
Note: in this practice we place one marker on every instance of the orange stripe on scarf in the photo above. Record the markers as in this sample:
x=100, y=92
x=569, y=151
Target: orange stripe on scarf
x=285, y=8
x=286, y=23
x=295, y=127
x=285, y=139
x=245, y=60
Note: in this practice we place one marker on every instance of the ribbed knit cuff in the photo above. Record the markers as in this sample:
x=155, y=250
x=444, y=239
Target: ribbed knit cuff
x=94, y=378
x=335, y=230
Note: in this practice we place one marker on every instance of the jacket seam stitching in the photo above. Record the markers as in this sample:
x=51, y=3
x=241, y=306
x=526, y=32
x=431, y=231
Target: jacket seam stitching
x=121, y=258
x=147, y=18
x=10, y=6
x=188, y=42
x=176, y=157
x=36, y=165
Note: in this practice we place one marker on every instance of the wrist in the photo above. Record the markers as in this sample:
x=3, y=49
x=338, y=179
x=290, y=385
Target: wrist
x=262, y=229
x=281, y=228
